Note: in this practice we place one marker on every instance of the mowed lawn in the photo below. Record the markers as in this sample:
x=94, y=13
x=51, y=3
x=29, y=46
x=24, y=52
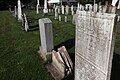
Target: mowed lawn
x=19, y=59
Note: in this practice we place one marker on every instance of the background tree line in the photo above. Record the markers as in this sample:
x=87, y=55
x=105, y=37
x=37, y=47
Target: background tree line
x=5, y=4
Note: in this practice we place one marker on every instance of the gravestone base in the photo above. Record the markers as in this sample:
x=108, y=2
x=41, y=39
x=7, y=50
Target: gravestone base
x=43, y=55
x=57, y=75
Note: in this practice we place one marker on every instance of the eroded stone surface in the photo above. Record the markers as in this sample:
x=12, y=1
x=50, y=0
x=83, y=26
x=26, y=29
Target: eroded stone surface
x=93, y=45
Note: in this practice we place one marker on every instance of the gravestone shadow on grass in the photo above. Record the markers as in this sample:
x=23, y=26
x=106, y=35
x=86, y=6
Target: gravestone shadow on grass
x=34, y=28
x=115, y=73
x=68, y=44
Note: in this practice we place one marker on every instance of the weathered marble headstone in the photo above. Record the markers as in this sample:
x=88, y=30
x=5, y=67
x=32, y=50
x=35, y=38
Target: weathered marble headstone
x=37, y=7
x=56, y=14
x=45, y=10
x=65, y=18
x=19, y=10
x=100, y=9
x=118, y=18
x=26, y=23
x=72, y=12
x=95, y=8
x=63, y=11
x=49, y=10
x=67, y=9
x=15, y=11
x=90, y=7
x=118, y=7
x=59, y=18
x=58, y=9
x=104, y=9
x=62, y=62
x=94, y=45
x=46, y=36
x=72, y=8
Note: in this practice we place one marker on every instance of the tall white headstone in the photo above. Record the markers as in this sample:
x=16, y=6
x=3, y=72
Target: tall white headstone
x=19, y=10
x=63, y=11
x=45, y=10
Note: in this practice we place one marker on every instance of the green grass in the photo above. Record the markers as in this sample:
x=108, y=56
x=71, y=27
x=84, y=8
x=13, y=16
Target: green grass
x=19, y=59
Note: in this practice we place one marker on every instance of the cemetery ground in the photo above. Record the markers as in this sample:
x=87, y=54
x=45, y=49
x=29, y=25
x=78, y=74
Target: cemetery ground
x=18, y=49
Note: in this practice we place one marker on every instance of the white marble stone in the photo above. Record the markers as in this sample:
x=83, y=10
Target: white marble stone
x=94, y=45
x=63, y=10
x=56, y=14
x=65, y=18
x=19, y=10
x=67, y=9
x=26, y=23
x=45, y=10
x=15, y=11
x=59, y=18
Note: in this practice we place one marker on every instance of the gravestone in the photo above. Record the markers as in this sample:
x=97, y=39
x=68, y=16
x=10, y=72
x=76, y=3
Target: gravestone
x=90, y=7
x=37, y=7
x=95, y=8
x=67, y=9
x=118, y=7
x=19, y=11
x=95, y=35
x=59, y=18
x=26, y=23
x=62, y=62
x=63, y=11
x=65, y=18
x=56, y=14
x=58, y=9
x=15, y=11
x=45, y=10
x=46, y=37
x=72, y=12
x=72, y=8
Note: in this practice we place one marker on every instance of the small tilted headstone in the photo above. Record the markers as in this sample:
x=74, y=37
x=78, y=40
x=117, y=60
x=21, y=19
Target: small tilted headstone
x=26, y=23
x=62, y=62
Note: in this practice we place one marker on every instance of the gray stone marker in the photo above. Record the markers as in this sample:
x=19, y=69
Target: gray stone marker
x=94, y=45
x=46, y=36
